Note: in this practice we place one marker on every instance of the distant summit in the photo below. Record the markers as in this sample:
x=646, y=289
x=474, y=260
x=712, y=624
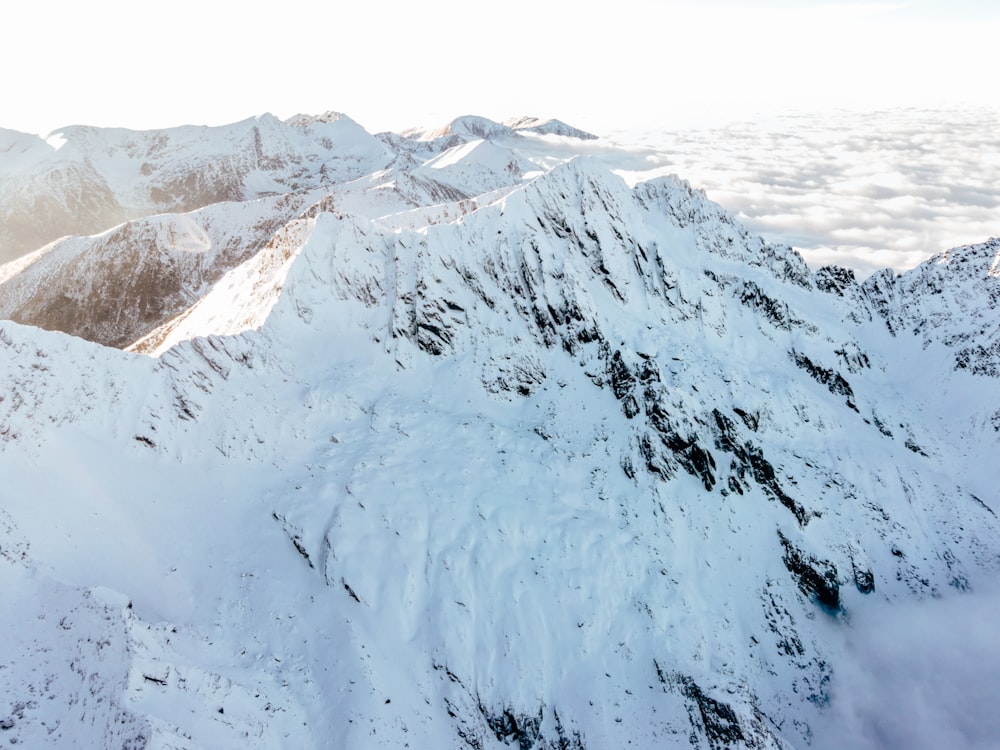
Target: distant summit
x=466, y=125
x=301, y=120
x=548, y=127
x=482, y=127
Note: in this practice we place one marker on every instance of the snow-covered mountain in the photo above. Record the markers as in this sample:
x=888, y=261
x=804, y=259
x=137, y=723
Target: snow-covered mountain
x=475, y=445
x=549, y=126
x=200, y=201
x=83, y=180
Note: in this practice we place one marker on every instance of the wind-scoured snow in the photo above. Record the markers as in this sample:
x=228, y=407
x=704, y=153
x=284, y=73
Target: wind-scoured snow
x=530, y=457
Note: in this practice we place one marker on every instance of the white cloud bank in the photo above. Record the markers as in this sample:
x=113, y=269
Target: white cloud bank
x=863, y=190
x=923, y=676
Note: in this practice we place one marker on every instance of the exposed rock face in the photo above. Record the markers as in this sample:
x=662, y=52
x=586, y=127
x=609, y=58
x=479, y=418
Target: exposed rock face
x=816, y=578
x=484, y=448
x=926, y=302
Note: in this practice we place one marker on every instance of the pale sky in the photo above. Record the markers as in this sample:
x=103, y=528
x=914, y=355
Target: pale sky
x=390, y=65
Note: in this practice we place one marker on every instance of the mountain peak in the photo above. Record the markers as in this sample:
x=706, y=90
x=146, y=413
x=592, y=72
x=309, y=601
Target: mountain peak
x=468, y=126
x=549, y=126
x=463, y=441
x=302, y=120
x=473, y=126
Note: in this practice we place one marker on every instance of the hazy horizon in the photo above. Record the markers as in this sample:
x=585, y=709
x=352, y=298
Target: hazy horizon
x=640, y=63
x=707, y=80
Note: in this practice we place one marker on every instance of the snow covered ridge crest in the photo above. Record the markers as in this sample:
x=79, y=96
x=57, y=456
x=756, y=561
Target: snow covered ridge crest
x=483, y=447
x=952, y=299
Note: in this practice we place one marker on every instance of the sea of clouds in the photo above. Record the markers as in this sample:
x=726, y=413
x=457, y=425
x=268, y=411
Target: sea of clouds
x=866, y=190
x=921, y=675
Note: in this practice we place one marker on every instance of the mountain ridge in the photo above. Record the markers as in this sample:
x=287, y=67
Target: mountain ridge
x=99, y=177
x=566, y=463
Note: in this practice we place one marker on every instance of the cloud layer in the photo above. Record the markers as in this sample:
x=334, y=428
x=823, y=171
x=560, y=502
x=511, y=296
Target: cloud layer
x=863, y=190
x=920, y=676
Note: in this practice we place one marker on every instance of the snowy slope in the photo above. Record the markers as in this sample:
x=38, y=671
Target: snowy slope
x=116, y=287
x=571, y=463
x=84, y=180
x=239, y=185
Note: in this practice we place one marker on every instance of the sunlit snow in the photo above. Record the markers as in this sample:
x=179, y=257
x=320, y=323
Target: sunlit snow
x=537, y=449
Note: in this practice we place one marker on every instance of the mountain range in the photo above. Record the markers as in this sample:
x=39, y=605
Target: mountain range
x=466, y=437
